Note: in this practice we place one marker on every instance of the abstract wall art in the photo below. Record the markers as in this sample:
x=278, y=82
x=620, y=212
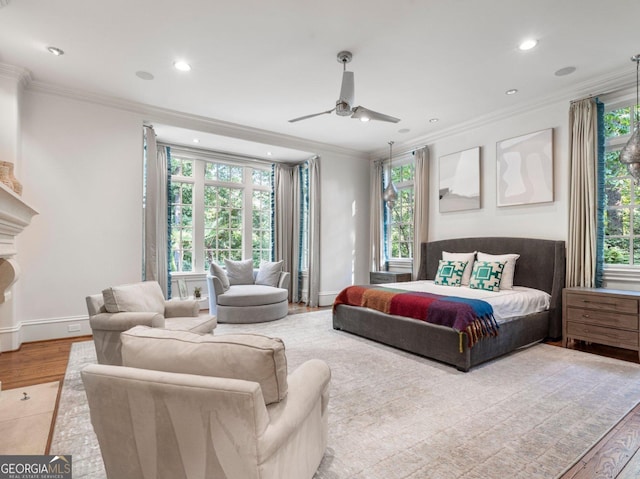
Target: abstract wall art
x=525, y=169
x=460, y=181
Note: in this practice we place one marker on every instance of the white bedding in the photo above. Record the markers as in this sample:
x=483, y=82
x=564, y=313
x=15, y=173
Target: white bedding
x=507, y=303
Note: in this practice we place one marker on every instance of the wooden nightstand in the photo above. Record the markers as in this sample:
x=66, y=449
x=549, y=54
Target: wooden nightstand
x=603, y=316
x=380, y=277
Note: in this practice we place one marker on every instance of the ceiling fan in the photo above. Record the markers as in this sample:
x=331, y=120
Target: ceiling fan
x=344, y=105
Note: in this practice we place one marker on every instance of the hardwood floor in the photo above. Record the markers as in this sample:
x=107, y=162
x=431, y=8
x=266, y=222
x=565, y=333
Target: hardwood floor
x=615, y=456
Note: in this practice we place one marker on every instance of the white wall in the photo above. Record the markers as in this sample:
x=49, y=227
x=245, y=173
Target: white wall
x=544, y=220
x=82, y=170
x=344, y=225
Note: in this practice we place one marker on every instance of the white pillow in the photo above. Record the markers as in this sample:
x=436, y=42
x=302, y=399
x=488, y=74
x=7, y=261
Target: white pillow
x=219, y=273
x=269, y=273
x=468, y=257
x=509, y=268
x=239, y=272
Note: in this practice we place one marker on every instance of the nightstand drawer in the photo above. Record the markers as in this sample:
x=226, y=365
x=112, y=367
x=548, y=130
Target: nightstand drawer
x=381, y=277
x=602, y=303
x=598, y=334
x=603, y=318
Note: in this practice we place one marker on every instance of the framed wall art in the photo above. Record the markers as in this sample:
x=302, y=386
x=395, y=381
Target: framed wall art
x=525, y=169
x=459, y=187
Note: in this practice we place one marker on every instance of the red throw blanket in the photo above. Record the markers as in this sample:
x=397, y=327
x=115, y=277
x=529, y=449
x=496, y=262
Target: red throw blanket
x=473, y=317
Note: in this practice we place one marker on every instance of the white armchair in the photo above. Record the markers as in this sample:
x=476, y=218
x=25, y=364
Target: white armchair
x=122, y=307
x=248, y=299
x=222, y=407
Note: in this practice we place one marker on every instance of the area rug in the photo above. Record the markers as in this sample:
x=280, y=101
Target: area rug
x=394, y=415
x=25, y=423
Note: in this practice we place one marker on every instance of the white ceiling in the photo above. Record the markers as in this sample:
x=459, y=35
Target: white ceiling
x=260, y=63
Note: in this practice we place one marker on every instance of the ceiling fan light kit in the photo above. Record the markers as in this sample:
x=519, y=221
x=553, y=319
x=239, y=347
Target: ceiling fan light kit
x=344, y=105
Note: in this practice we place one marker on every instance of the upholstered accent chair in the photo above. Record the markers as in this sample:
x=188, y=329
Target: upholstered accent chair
x=244, y=294
x=195, y=406
x=120, y=308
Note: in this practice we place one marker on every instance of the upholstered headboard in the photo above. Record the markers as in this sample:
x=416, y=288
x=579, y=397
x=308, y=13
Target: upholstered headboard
x=541, y=265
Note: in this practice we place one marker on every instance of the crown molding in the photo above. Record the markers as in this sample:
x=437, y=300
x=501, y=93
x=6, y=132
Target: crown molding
x=154, y=114
x=21, y=75
x=610, y=83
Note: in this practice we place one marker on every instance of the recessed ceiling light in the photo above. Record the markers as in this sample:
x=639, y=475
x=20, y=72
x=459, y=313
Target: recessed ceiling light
x=195, y=140
x=434, y=120
x=55, y=51
x=144, y=75
x=565, y=71
x=182, y=66
x=513, y=91
x=528, y=44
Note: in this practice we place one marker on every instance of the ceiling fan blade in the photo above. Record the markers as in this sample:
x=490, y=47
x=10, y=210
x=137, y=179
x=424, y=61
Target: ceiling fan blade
x=311, y=116
x=347, y=91
x=361, y=112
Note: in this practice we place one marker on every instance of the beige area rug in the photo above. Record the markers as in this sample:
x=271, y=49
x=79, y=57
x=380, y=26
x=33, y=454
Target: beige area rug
x=394, y=415
x=25, y=424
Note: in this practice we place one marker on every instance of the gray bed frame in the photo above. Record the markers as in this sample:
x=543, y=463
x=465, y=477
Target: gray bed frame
x=541, y=266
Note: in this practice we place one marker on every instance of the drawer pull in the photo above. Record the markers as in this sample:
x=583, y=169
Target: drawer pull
x=586, y=316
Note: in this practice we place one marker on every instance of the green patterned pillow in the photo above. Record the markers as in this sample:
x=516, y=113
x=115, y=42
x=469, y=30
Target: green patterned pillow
x=486, y=275
x=450, y=273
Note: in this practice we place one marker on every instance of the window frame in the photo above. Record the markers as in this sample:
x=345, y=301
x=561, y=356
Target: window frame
x=199, y=160
x=617, y=271
x=402, y=161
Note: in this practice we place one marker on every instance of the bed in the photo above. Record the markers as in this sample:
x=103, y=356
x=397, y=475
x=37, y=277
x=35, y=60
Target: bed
x=541, y=266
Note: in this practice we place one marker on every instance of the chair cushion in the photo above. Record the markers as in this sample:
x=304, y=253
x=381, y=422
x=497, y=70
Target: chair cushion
x=239, y=272
x=252, y=295
x=220, y=273
x=251, y=357
x=145, y=296
x=269, y=273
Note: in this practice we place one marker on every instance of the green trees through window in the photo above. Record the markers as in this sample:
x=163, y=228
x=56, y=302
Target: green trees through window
x=218, y=211
x=621, y=193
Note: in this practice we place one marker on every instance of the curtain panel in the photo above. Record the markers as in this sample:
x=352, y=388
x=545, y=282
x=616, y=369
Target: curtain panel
x=156, y=236
x=289, y=241
x=584, y=256
x=286, y=215
x=421, y=205
x=314, y=232
x=377, y=216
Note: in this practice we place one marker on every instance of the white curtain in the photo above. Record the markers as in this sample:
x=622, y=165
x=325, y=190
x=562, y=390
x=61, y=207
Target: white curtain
x=583, y=160
x=314, y=232
x=155, y=214
x=376, y=220
x=286, y=222
x=421, y=205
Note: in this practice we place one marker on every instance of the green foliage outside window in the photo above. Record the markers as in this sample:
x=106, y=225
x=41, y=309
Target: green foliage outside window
x=622, y=195
x=401, y=220
x=223, y=220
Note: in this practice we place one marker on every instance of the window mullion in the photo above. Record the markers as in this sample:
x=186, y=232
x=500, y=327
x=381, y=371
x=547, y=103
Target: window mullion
x=247, y=213
x=198, y=216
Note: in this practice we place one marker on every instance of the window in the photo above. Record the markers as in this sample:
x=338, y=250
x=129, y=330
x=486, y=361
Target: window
x=621, y=194
x=399, y=230
x=219, y=210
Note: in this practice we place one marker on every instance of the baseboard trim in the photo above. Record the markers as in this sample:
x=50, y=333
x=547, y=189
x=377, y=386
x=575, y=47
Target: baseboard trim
x=42, y=329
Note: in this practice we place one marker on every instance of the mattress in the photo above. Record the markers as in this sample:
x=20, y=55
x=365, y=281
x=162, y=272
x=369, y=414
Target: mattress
x=506, y=303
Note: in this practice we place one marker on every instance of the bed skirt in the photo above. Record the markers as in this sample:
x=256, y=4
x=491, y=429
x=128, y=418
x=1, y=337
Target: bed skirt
x=439, y=342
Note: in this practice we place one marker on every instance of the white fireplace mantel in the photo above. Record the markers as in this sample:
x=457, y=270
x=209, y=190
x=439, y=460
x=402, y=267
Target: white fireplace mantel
x=15, y=216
